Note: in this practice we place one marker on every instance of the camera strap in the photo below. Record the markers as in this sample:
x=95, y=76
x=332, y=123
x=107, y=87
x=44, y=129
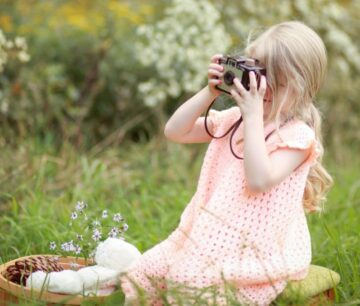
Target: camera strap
x=234, y=127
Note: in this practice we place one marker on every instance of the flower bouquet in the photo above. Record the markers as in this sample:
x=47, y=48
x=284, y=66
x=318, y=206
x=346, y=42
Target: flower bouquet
x=86, y=267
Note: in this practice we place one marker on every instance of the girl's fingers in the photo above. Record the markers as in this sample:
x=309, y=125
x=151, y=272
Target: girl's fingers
x=214, y=82
x=216, y=67
x=236, y=96
x=262, y=88
x=240, y=88
x=253, y=83
x=213, y=72
x=215, y=58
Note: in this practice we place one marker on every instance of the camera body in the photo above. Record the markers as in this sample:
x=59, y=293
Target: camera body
x=239, y=67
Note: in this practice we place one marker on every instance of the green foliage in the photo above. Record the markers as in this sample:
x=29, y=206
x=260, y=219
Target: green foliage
x=150, y=184
x=82, y=82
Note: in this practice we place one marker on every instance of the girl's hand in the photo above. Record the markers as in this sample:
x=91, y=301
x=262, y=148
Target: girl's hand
x=250, y=102
x=214, y=73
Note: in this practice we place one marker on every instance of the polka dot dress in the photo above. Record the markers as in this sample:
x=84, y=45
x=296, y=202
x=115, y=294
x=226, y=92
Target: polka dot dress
x=255, y=241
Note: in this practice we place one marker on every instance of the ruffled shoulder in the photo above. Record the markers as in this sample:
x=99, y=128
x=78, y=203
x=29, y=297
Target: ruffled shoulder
x=296, y=134
x=223, y=118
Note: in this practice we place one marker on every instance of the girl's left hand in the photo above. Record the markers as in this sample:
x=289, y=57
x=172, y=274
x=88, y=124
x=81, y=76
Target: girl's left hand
x=250, y=101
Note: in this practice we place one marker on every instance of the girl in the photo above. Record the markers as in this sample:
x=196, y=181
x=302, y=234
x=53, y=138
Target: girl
x=246, y=222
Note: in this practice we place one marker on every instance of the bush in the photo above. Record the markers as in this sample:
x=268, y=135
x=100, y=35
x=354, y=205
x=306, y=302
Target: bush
x=109, y=70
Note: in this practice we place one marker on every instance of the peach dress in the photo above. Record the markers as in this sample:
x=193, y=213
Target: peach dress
x=256, y=241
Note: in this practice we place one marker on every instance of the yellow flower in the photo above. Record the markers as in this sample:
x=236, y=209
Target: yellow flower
x=122, y=10
x=6, y=23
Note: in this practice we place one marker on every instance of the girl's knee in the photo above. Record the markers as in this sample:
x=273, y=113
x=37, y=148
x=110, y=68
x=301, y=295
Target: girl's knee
x=131, y=301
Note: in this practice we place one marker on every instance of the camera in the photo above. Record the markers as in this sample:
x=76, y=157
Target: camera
x=239, y=67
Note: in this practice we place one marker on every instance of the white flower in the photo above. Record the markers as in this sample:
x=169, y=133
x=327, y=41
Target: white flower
x=80, y=206
x=9, y=44
x=68, y=246
x=52, y=245
x=114, y=232
x=79, y=237
x=105, y=214
x=125, y=227
x=23, y=56
x=117, y=217
x=96, y=235
x=20, y=42
x=78, y=250
x=182, y=42
x=4, y=106
x=74, y=215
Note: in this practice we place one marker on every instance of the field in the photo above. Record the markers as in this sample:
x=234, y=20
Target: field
x=87, y=86
x=149, y=183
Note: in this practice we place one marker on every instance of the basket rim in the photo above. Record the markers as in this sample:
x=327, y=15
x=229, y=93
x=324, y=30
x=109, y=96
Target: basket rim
x=14, y=289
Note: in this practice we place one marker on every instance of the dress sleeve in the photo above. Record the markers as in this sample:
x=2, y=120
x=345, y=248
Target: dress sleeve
x=296, y=136
x=220, y=117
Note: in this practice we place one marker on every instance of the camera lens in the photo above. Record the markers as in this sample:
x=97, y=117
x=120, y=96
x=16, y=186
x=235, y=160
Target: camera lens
x=229, y=78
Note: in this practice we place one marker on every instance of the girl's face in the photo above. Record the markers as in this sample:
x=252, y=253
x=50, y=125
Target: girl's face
x=268, y=97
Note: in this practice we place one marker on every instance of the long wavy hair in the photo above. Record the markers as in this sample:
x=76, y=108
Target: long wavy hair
x=293, y=52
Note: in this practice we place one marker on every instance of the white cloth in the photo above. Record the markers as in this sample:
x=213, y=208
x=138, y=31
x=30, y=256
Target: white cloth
x=113, y=256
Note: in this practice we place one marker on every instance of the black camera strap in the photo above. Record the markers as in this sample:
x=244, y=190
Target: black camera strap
x=234, y=127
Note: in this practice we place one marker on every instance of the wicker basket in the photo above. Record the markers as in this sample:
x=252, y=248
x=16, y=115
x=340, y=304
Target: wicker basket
x=11, y=292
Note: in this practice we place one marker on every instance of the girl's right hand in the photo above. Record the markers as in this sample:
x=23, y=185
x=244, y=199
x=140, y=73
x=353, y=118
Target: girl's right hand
x=214, y=73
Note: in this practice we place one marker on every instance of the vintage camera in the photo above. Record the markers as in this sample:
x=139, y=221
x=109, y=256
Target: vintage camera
x=239, y=67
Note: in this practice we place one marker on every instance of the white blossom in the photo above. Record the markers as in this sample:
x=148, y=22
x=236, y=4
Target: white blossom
x=181, y=43
x=20, y=42
x=68, y=246
x=96, y=235
x=80, y=206
x=117, y=217
x=23, y=56
x=77, y=249
x=114, y=232
x=105, y=214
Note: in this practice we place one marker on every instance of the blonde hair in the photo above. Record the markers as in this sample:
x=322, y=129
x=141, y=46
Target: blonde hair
x=294, y=53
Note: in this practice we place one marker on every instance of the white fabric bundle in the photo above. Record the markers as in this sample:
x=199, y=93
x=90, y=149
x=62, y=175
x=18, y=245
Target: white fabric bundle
x=97, y=277
x=113, y=256
x=116, y=254
x=66, y=281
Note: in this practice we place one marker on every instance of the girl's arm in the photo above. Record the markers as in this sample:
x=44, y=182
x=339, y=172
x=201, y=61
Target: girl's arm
x=262, y=171
x=186, y=125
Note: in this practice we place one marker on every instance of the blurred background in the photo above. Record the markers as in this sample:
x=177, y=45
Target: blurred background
x=95, y=68
x=87, y=86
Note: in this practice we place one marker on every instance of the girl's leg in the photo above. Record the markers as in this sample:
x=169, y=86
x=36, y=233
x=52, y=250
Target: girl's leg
x=147, y=273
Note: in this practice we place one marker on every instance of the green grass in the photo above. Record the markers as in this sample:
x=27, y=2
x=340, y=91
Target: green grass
x=150, y=184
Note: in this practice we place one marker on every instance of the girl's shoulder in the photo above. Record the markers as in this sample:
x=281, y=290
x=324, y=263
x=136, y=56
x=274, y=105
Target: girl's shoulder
x=295, y=134
x=297, y=130
x=224, y=117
